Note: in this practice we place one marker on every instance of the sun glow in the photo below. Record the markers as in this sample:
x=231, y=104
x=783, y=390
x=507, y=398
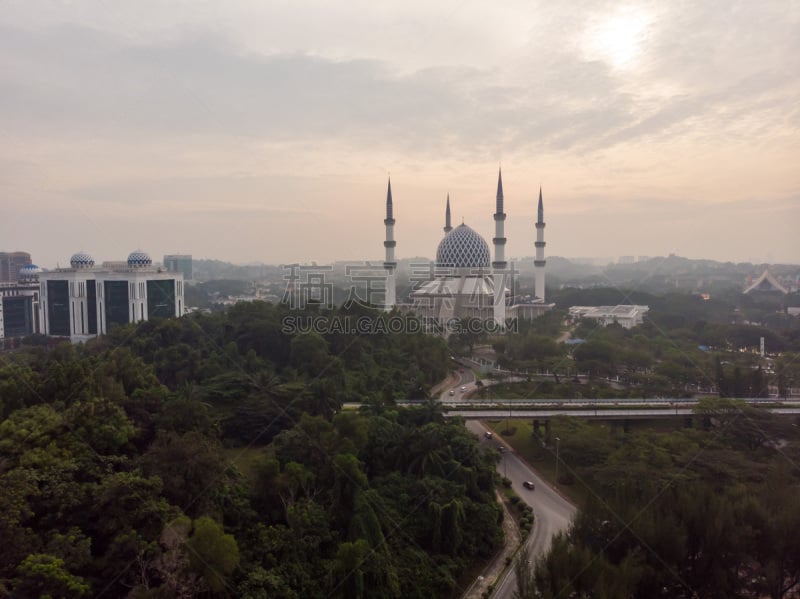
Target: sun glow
x=618, y=39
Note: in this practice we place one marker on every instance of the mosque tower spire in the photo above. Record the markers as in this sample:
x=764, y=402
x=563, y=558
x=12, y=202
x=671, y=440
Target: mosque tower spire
x=540, y=262
x=499, y=263
x=389, y=264
x=447, y=226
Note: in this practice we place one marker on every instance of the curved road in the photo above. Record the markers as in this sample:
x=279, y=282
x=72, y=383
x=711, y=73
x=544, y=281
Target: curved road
x=466, y=379
x=552, y=513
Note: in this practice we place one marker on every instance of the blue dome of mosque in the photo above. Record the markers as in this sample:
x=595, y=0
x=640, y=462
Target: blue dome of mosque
x=81, y=260
x=29, y=272
x=138, y=258
x=463, y=248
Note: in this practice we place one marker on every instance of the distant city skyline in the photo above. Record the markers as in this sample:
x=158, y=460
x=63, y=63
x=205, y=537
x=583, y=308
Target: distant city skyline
x=265, y=132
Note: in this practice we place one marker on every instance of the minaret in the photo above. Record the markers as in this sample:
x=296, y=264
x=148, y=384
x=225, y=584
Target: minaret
x=389, y=264
x=499, y=264
x=539, y=262
x=447, y=226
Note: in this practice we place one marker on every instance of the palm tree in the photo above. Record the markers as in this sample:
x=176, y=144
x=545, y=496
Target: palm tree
x=432, y=411
x=428, y=452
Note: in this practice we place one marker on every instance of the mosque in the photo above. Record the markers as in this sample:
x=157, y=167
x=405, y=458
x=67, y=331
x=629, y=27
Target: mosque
x=466, y=282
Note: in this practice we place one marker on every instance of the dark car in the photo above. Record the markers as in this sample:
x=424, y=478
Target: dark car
x=529, y=485
x=488, y=434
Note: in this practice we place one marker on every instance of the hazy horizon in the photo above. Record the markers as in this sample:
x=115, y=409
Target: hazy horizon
x=266, y=132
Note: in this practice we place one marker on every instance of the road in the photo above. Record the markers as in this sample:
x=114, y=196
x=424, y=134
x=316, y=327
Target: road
x=620, y=413
x=466, y=380
x=552, y=513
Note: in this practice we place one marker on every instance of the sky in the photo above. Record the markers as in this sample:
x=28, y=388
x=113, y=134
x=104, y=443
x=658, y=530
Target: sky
x=266, y=131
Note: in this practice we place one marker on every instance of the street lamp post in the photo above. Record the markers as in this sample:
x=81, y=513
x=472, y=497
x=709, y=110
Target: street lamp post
x=558, y=440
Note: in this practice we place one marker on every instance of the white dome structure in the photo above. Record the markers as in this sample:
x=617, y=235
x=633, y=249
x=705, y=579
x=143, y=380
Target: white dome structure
x=29, y=272
x=81, y=260
x=463, y=248
x=139, y=259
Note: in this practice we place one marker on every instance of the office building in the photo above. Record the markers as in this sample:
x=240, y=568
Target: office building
x=84, y=301
x=19, y=304
x=181, y=263
x=11, y=263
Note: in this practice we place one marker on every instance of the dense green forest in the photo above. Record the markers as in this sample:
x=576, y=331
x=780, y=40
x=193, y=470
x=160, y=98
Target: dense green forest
x=210, y=456
x=710, y=510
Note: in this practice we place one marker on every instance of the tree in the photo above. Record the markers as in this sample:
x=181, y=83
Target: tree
x=18, y=488
x=721, y=381
x=348, y=570
x=212, y=553
x=127, y=501
x=758, y=384
x=173, y=566
x=184, y=414
x=776, y=514
x=525, y=575
x=101, y=424
x=191, y=468
x=426, y=451
x=42, y=575
x=308, y=353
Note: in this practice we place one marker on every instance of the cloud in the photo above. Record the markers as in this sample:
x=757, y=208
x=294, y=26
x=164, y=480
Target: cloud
x=151, y=108
x=80, y=82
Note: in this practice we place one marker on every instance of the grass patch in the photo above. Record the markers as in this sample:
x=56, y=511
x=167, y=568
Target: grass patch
x=578, y=438
x=541, y=459
x=245, y=459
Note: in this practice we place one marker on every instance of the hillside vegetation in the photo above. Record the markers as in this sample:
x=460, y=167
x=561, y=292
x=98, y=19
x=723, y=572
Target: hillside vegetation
x=209, y=457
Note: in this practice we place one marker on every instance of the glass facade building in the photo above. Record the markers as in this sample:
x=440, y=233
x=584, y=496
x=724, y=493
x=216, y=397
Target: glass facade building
x=87, y=300
x=58, y=308
x=116, y=295
x=18, y=318
x=160, y=299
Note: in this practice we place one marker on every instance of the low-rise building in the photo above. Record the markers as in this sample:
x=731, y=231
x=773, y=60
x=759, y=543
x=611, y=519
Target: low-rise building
x=19, y=304
x=627, y=316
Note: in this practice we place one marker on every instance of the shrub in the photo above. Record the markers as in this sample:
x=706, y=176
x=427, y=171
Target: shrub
x=566, y=479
